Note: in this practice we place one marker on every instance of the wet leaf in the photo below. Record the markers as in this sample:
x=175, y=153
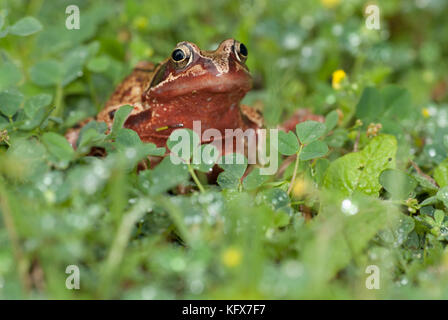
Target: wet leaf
x=287, y=143
x=227, y=180
x=73, y=64
x=370, y=105
x=164, y=177
x=441, y=173
x=58, y=146
x=10, y=101
x=254, y=179
x=35, y=103
x=120, y=117
x=399, y=184
x=10, y=75
x=25, y=27
x=331, y=120
x=46, y=73
x=310, y=131
x=98, y=64
x=315, y=149
x=439, y=215
x=276, y=198
x=442, y=195
x=234, y=163
x=359, y=171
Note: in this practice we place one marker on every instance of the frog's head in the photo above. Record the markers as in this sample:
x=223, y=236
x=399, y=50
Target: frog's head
x=201, y=80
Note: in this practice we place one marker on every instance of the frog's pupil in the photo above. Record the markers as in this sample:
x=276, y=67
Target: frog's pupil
x=178, y=55
x=243, y=50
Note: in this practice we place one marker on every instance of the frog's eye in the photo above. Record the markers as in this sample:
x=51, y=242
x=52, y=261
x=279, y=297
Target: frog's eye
x=178, y=55
x=181, y=56
x=240, y=51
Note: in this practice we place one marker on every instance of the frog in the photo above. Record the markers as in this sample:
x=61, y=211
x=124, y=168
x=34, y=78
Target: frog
x=189, y=85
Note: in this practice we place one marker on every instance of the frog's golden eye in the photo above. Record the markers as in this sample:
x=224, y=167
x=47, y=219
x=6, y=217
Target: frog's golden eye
x=240, y=51
x=181, y=56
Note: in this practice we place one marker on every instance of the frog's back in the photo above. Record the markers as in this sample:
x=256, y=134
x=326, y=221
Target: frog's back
x=129, y=91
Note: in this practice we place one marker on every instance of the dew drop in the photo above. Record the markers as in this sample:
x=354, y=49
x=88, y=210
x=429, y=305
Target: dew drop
x=349, y=208
x=432, y=152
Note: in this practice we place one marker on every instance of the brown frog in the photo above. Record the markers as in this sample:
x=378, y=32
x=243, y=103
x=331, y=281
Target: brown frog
x=192, y=84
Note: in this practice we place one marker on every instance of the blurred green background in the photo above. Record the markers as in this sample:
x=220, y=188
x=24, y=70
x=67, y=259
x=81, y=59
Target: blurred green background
x=131, y=238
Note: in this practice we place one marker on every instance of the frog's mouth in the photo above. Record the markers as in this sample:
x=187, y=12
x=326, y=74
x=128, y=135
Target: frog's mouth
x=200, y=86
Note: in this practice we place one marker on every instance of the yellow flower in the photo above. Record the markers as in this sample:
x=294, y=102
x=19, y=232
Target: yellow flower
x=141, y=22
x=149, y=52
x=231, y=257
x=330, y=3
x=426, y=113
x=338, y=77
x=300, y=188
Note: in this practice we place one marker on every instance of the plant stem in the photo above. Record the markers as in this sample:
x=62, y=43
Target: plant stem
x=297, y=202
x=22, y=264
x=92, y=92
x=176, y=215
x=358, y=136
x=195, y=178
x=58, y=101
x=119, y=245
x=296, y=166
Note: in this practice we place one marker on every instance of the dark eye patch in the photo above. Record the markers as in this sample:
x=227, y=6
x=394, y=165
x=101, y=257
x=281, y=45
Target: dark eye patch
x=159, y=76
x=134, y=120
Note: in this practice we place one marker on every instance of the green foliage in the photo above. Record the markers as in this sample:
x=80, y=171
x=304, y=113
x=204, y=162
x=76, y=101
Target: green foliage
x=366, y=187
x=25, y=27
x=399, y=184
x=10, y=101
x=58, y=146
x=441, y=173
x=315, y=149
x=287, y=143
x=359, y=171
x=310, y=131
